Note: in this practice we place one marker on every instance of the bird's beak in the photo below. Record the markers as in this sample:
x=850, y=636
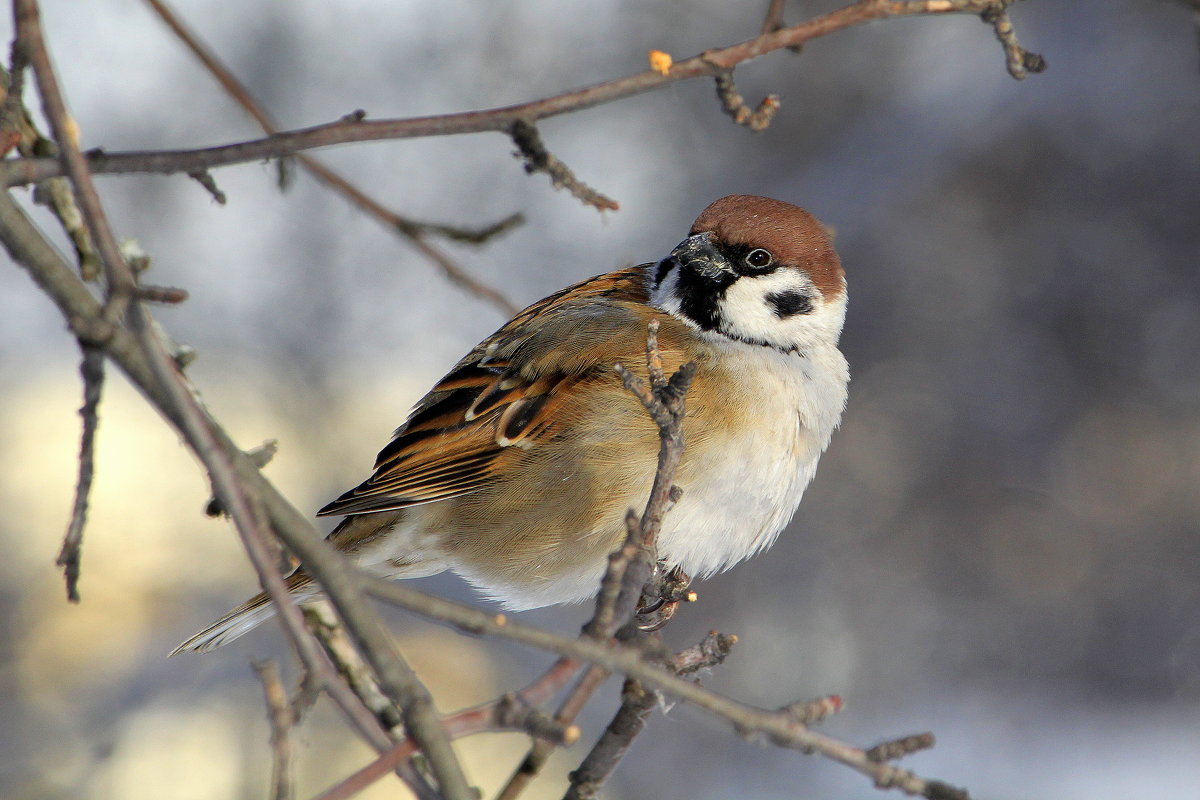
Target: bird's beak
x=699, y=254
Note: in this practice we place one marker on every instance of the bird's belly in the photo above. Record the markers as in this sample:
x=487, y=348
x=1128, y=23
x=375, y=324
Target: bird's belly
x=736, y=500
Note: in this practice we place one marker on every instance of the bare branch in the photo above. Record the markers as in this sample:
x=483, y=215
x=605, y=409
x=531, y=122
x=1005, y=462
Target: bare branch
x=541, y=750
x=510, y=712
x=1020, y=62
x=538, y=159
x=630, y=719
x=205, y=179
x=205, y=438
x=898, y=748
x=774, y=19
x=92, y=370
x=709, y=652
x=735, y=106
x=279, y=715
x=350, y=665
x=614, y=743
x=354, y=128
x=30, y=42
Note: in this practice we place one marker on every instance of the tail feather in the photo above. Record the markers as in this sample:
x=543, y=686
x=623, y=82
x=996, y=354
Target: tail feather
x=243, y=619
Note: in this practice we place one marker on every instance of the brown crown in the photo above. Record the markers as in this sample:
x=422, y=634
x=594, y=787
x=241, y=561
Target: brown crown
x=788, y=232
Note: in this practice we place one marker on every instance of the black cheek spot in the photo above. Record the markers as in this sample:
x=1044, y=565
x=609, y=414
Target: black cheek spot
x=789, y=304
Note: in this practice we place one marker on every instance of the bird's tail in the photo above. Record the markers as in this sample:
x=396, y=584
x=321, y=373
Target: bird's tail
x=244, y=618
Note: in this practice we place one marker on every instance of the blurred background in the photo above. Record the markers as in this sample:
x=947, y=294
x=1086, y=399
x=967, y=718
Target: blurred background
x=1001, y=545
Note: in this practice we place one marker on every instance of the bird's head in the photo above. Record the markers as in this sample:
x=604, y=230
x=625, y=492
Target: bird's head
x=755, y=270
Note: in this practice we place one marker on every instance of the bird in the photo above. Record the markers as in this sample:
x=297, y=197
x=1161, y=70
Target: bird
x=517, y=469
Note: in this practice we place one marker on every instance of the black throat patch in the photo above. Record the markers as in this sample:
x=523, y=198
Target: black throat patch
x=700, y=297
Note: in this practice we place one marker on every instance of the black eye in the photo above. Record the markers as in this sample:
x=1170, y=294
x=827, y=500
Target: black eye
x=759, y=258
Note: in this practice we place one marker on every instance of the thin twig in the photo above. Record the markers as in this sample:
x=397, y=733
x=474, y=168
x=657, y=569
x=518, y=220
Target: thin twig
x=1020, y=62
x=614, y=743
x=630, y=719
x=355, y=129
x=489, y=717
x=735, y=106
x=279, y=716
x=538, y=159
x=413, y=232
x=898, y=748
x=774, y=19
x=809, y=711
x=709, y=652
x=541, y=750
x=92, y=370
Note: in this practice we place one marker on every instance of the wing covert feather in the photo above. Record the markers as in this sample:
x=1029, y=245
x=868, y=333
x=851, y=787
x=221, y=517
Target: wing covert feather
x=501, y=399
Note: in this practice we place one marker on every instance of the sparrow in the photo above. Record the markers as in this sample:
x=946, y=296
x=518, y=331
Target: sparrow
x=516, y=470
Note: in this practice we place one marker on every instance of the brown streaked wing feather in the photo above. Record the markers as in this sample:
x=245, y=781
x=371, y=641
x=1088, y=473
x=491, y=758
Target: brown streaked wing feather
x=502, y=394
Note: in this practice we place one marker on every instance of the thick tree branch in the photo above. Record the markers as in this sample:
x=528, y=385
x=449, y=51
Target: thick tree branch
x=157, y=372
x=87, y=320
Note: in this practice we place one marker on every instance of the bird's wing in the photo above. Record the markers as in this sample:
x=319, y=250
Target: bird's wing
x=502, y=397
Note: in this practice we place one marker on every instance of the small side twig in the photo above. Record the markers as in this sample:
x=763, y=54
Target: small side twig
x=260, y=456
x=637, y=701
x=898, y=748
x=773, y=21
x=168, y=295
x=541, y=750
x=538, y=159
x=735, y=106
x=636, y=704
x=709, y=652
x=466, y=235
x=92, y=370
x=1019, y=61
x=205, y=179
x=486, y=717
x=279, y=715
x=806, y=712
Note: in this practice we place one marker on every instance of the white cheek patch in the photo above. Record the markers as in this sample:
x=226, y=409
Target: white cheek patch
x=747, y=311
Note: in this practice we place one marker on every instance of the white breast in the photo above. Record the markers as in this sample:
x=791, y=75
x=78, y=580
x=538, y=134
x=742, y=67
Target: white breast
x=749, y=486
